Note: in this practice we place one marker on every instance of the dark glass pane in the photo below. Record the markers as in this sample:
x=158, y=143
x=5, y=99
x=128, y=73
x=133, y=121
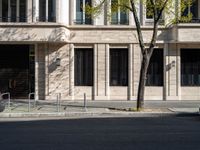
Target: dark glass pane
x=81, y=16
x=88, y=17
x=52, y=10
x=4, y=10
x=114, y=16
x=194, y=9
x=155, y=69
x=22, y=12
x=79, y=11
x=190, y=67
x=118, y=67
x=42, y=10
x=83, y=67
x=123, y=17
x=13, y=6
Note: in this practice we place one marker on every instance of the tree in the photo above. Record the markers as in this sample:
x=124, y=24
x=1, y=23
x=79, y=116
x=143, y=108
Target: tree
x=155, y=9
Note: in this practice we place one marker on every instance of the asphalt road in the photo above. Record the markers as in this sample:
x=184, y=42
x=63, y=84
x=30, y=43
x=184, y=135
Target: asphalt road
x=134, y=133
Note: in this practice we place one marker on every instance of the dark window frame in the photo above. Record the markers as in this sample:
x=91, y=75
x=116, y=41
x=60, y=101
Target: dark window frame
x=155, y=72
x=190, y=67
x=83, y=66
x=118, y=67
x=81, y=16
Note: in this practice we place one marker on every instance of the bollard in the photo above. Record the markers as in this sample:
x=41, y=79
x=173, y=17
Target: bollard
x=58, y=102
x=29, y=104
x=85, y=102
x=29, y=101
x=8, y=101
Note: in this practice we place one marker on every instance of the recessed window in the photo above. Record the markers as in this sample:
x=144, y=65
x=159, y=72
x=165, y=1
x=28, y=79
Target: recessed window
x=149, y=12
x=155, y=69
x=47, y=10
x=10, y=9
x=83, y=67
x=118, y=67
x=118, y=15
x=191, y=9
x=81, y=16
x=190, y=67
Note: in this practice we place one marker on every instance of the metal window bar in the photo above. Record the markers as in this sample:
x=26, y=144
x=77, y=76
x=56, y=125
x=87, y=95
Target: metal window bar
x=17, y=19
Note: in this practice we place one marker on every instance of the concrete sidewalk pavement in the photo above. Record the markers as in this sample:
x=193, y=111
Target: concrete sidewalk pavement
x=19, y=108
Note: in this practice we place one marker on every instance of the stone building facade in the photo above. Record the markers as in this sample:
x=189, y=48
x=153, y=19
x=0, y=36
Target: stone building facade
x=72, y=54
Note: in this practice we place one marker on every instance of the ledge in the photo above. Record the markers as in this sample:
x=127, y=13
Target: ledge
x=33, y=33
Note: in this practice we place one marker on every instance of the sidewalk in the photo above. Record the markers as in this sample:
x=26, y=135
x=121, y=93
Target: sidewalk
x=96, y=108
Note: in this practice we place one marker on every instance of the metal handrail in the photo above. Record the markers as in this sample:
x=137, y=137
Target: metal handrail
x=7, y=93
x=29, y=101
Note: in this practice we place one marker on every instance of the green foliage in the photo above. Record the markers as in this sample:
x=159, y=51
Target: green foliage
x=172, y=8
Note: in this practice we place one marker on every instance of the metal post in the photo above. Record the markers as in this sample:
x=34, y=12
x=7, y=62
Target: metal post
x=85, y=102
x=8, y=101
x=8, y=94
x=58, y=102
x=29, y=104
x=29, y=101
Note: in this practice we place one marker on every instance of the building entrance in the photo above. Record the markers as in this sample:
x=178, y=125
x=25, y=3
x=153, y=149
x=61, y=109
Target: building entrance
x=17, y=70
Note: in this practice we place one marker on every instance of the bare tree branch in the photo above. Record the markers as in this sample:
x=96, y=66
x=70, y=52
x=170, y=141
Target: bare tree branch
x=138, y=26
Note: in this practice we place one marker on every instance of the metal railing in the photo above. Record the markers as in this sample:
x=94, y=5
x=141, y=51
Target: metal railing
x=9, y=101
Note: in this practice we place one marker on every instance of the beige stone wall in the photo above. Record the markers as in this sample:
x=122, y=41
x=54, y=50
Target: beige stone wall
x=52, y=79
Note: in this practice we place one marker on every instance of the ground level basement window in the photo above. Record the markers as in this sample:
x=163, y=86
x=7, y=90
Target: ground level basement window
x=190, y=67
x=155, y=70
x=83, y=67
x=118, y=67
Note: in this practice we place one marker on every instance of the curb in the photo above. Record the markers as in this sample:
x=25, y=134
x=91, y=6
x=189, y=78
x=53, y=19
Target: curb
x=79, y=114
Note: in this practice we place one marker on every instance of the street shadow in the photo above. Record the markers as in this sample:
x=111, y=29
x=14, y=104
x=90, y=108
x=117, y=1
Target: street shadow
x=113, y=133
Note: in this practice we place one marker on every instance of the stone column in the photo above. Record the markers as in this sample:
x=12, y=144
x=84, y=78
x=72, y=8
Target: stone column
x=71, y=11
x=95, y=75
x=30, y=10
x=107, y=71
x=57, y=11
x=47, y=46
x=130, y=72
x=35, y=10
x=17, y=10
x=9, y=11
x=71, y=71
x=40, y=71
x=101, y=72
x=136, y=68
x=172, y=79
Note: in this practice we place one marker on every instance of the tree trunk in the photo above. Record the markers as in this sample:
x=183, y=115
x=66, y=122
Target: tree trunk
x=142, y=82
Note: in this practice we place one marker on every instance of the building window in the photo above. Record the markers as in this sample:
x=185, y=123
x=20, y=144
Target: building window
x=155, y=69
x=81, y=16
x=22, y=11
x=191, y=10
x=190, y=67
x=83, y=67
x=118, y=67
x=13, y=11
x=47, y=10
x=149, y=13
x=118, y=15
